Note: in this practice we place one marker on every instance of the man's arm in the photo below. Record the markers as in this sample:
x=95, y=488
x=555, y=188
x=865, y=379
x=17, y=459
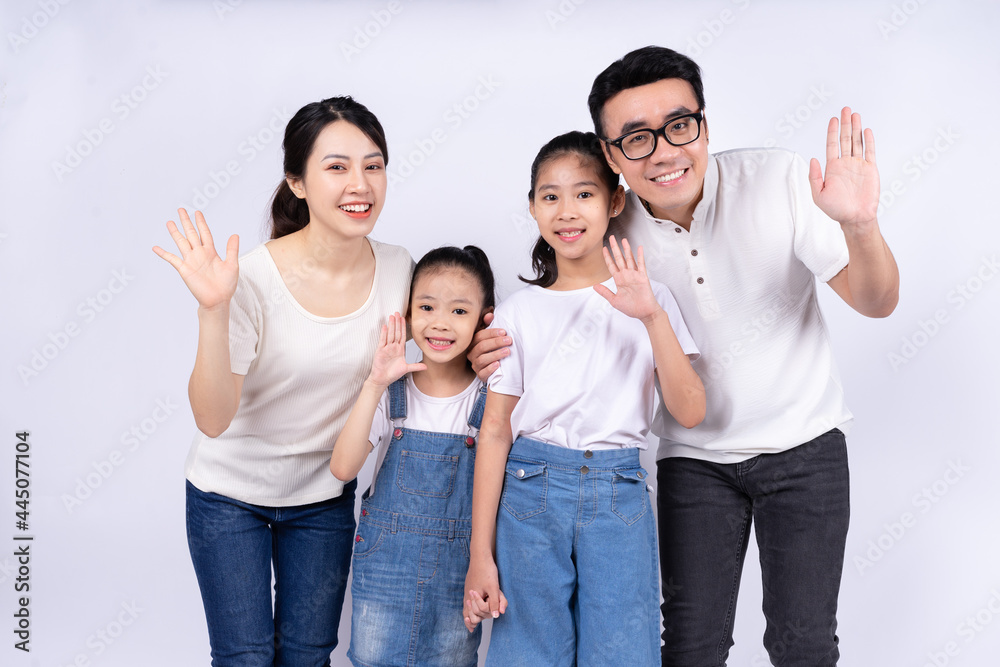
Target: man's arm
x=489, y=346
x=870, y=285
x=849, y=194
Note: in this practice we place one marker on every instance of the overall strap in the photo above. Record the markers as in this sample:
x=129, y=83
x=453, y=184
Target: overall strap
x=397, y=399
x=476, y=417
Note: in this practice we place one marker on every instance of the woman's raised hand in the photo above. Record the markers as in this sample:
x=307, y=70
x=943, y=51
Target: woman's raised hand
x=211, y=280
x=390, y=358
x=634, y=296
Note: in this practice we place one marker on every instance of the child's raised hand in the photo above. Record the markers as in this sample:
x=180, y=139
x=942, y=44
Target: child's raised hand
x=634, y=296
x=390, y=358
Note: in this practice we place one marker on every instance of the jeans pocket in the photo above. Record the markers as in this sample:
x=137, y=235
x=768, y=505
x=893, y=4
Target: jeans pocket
x=629, y=499
x=424, y=474
x=368, y=539
x=525, y=488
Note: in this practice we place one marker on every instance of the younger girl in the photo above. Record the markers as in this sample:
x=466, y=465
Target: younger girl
x=412, y=547
x=566, y=416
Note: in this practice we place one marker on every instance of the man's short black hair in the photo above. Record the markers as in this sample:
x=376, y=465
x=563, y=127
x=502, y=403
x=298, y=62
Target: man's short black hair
x=638, y=68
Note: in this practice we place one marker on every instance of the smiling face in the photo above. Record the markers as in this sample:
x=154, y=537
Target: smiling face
x=344, y=182
x=670, y=179
x=445, y=313
x=572, y=206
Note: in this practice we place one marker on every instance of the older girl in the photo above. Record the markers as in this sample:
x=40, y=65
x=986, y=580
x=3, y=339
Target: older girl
x=558, y=483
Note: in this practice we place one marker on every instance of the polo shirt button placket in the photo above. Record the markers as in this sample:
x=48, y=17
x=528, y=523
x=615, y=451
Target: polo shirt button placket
x=696, y=266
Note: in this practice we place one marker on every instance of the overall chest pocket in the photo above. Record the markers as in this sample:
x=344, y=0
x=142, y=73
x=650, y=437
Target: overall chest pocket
x=422, y=474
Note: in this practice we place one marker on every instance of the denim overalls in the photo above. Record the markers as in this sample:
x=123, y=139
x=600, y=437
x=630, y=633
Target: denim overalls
x=411, y=552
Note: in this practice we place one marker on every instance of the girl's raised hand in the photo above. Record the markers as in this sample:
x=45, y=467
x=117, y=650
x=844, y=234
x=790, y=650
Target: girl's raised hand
x=634, y=296
x=390, y=358
x=211, y=280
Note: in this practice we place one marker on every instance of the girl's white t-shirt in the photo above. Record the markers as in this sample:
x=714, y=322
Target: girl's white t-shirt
x=447, y=414
x=303, y=375
x=584, y=371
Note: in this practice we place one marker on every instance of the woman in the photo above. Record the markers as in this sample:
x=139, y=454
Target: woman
x=286, y=338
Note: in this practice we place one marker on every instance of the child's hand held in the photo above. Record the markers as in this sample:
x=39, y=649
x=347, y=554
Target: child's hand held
x=483, y=596
x=476, y=610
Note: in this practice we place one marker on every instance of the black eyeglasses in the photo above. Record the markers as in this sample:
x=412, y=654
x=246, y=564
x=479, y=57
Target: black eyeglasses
x=677, y=131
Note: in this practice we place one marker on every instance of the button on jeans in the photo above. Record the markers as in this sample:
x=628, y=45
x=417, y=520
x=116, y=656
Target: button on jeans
x=576, y=555
x=233, y=548
x=798, y=503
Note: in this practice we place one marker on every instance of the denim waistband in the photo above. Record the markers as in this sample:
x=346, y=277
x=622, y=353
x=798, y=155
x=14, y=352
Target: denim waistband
x=415, y=523
x=564, y=457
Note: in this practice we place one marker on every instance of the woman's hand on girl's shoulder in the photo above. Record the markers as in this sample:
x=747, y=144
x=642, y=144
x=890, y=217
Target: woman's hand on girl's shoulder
x=211, y=279
x=634, y=296
x=389, y=363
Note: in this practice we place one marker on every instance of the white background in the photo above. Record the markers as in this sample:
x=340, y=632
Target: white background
x=922, y=74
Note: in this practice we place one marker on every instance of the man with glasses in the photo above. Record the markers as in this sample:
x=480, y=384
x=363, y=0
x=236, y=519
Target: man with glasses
x=739, y=238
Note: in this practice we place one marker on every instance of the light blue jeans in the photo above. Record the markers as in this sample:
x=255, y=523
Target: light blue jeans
x=576, y=553
x=234, y=546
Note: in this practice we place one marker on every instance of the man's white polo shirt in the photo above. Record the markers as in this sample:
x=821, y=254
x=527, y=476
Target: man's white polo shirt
x=744, y=277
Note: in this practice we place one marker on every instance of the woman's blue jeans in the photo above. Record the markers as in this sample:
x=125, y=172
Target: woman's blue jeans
x=798, y=502
x=234, y=546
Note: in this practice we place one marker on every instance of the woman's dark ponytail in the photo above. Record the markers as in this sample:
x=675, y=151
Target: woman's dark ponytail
x=288, y=212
